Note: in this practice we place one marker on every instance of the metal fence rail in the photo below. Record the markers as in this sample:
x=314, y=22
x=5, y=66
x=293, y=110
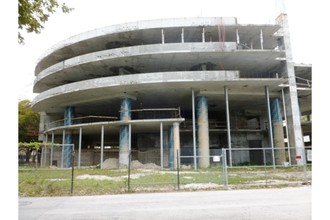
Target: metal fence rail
x=183, y=177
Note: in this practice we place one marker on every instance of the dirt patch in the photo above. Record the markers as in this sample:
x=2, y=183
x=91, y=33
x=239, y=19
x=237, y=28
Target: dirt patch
x=200, y=186
x=113, y=163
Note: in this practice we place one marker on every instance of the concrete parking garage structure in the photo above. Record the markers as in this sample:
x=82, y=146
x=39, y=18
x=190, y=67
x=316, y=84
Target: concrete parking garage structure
x=158, y=87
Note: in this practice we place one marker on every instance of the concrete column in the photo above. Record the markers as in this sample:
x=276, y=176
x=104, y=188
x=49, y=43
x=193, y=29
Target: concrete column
x=290, y=93
x=125, y=115
x=69, y=113
x=44, y=152
x=278, y=133
x=170, y=148
x=203, y=131
x=286, y=127
x=270, y=127
x=176, y=142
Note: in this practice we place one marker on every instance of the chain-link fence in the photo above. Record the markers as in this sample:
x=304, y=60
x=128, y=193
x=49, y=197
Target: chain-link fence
x=58, y=177
x=57, y=155
x=269, y=167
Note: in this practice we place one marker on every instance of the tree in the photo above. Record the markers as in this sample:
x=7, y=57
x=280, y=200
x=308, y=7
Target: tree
x=28, y=122
x=32, y=14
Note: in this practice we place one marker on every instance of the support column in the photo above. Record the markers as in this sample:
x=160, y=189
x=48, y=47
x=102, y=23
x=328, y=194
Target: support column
x=290, y=93
x=286, y=127
x=203, y=132
x=102, y=146
x=170, y=148
x=278, y=133
x=237, y=36
x=69, y=113
x=176, y=143
x=228, y=127
x=163, y=37
x=261, y=40
x=124, y=140
x=79, y=148
x=63, y=141
x=203, y=35
x=44, y=152
x=194, y=128
x=270, y=127
x=161, y=146
x=52, y=150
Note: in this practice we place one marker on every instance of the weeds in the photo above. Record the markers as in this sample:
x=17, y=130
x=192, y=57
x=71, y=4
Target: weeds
x=57, y=182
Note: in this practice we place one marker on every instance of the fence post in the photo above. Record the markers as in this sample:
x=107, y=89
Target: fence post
x=129, y=171
x=224, y=165
x=178, y=168
x=72, y=172
x=305, y=166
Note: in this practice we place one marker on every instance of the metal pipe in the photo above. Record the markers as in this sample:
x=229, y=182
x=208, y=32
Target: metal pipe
x=161, y=146
x=129, y=137
x=44, y=152
x=182, y=35
x=224, y=165
x=194, y=128
x=178, y=167
x=52, y=150
x=270, y=128
x=203, y=35
x=79, y=147
x=176, y=141
x=261, y=40
x=102, y=146
x=228, y=126
x=72, y=168
x=286, y=127
x=163, y=36
x=237, y=36
x=63, y=145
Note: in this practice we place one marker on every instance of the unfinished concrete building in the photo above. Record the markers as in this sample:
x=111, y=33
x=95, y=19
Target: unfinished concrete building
x=160, y=87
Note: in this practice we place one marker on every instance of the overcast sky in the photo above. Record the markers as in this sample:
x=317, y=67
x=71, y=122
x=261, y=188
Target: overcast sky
x=91, y=14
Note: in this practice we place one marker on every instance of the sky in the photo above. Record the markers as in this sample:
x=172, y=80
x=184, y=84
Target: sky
x=92, y=14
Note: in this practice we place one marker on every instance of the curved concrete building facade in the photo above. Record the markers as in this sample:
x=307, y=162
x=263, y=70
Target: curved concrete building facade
x=159, y=87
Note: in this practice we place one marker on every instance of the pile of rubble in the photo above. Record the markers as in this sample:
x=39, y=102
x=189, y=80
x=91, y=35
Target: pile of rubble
x=113, y=163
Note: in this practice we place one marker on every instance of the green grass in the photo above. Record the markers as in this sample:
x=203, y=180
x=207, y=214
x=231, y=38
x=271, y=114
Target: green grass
x=57, y=182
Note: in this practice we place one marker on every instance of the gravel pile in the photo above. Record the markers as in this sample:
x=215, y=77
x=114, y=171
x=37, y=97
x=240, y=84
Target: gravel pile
x=111, y=163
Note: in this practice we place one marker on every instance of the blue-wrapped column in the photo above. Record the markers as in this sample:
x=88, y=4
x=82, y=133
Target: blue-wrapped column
x=170, y=148
x=203, y=131
x=278, y=134
x=125, y=115
x=69, y=113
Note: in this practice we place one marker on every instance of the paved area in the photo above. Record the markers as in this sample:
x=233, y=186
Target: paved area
x=270, y=204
